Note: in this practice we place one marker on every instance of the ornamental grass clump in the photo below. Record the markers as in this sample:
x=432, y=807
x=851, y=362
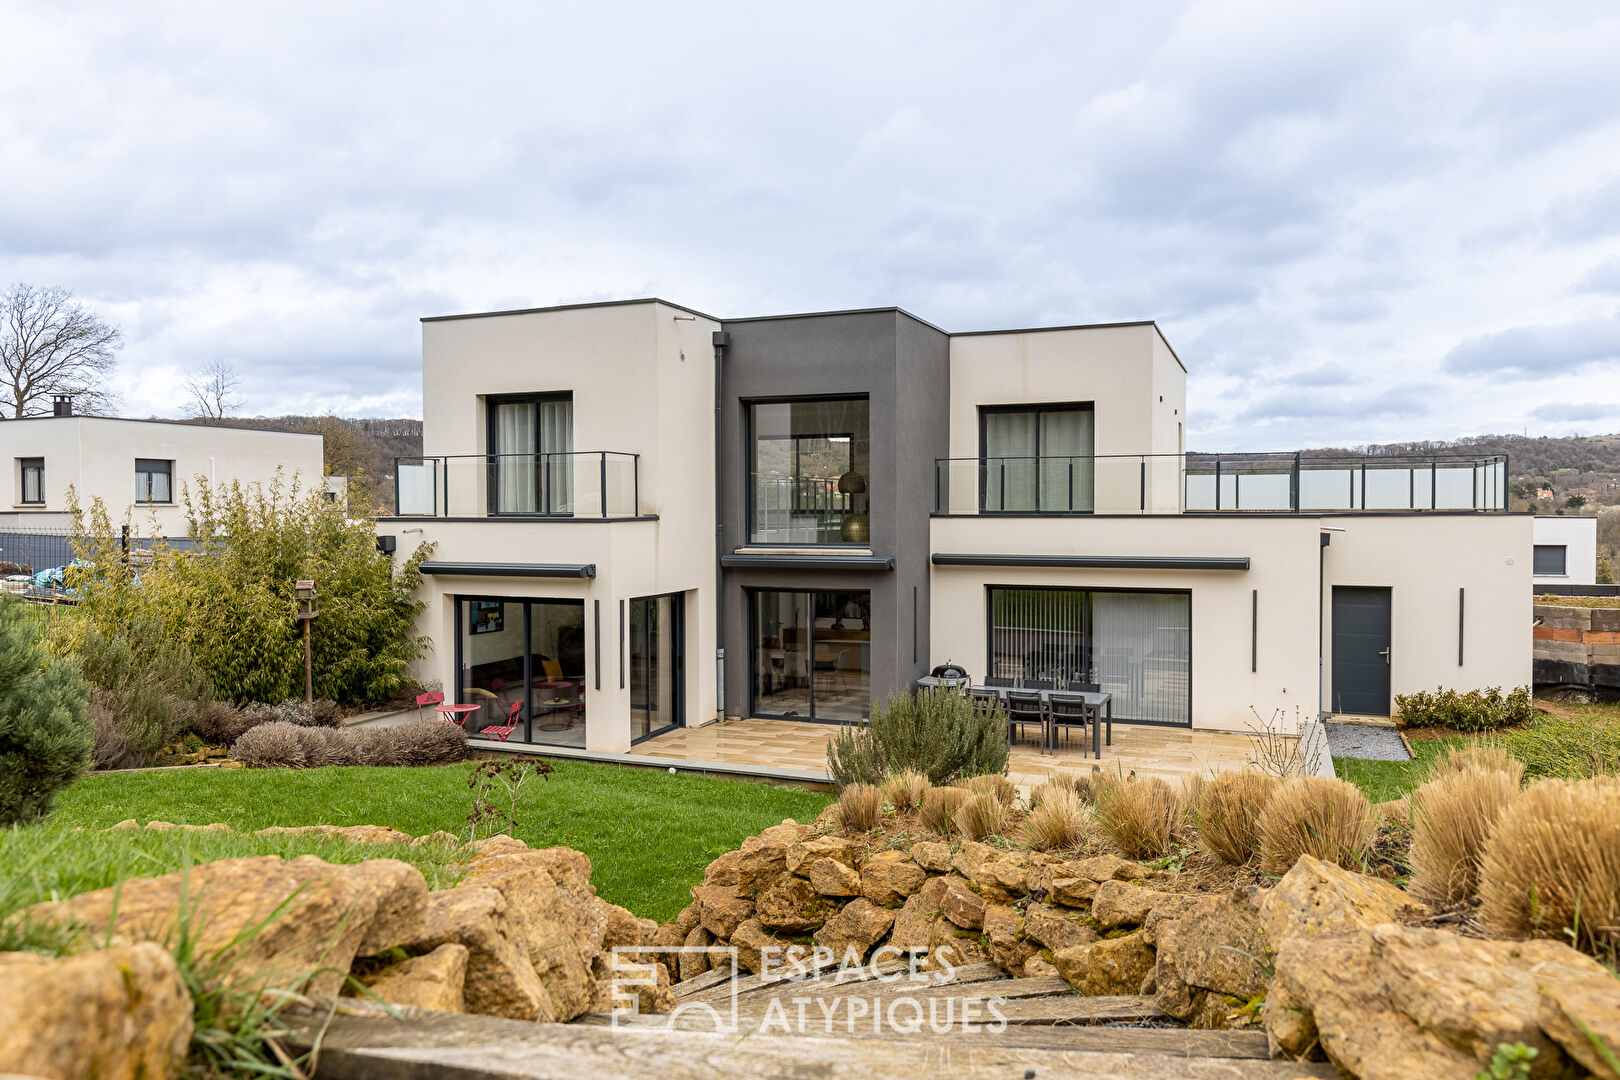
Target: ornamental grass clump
x=982, y=815
x=904, y=790
x=1059, y=820
x=1452, y=816
x=1551, y=868
x=939, y=806
x=1140, y=816
x=934, y=732
x=1482, y=756
x=993, y=783
x=860, y=807
x=1315, y=815
x=1226, y=816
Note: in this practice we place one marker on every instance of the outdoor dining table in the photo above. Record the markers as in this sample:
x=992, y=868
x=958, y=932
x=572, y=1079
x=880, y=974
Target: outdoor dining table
x=1101, y=704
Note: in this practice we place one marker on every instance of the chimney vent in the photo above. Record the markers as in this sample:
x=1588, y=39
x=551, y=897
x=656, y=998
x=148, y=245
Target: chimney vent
x=62, y=405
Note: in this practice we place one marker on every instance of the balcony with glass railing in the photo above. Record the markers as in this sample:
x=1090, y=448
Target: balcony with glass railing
x=1264, y=483
x=601, y=484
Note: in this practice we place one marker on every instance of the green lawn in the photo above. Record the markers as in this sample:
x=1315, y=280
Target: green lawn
x=649, y=834
x=1383, y=781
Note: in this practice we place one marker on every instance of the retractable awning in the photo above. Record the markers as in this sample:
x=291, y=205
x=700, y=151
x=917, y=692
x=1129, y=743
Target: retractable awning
x=489, y=569
x=1099, y=562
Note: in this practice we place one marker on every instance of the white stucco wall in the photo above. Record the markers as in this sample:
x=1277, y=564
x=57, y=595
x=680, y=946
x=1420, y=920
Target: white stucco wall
x=1283, y=569
x=1123, y=370
x=1424, y=559
x=642, y=380
x=1578, y=537
x=96, y=456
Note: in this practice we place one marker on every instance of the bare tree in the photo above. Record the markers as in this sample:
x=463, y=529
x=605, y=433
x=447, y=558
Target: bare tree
x=51, y=345
x=213, y=389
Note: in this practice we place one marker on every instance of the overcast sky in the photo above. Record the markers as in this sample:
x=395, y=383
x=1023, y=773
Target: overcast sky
x=1354, y=222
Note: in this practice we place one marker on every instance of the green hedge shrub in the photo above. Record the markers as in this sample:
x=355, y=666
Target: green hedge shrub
x=46, y=737
x=1472, y=710
x=934, y=732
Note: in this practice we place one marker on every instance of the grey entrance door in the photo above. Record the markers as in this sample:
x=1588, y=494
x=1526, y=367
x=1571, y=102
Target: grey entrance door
x=1361, y=650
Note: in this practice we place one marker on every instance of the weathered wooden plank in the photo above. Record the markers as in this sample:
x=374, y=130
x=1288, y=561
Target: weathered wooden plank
x=1005, y=989
x=1074, y=1009
x=451, y=1047
x=755, y=984
x=697, y=983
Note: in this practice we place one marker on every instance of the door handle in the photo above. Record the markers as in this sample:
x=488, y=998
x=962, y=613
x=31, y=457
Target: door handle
x=1384, y=652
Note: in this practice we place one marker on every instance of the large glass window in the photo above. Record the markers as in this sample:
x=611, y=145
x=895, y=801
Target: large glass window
x=809, y=467
x=1136, y=646
x=531, y=442
x=1037, y=458
x=655, y=657
x=523, y=662
x=812, y=654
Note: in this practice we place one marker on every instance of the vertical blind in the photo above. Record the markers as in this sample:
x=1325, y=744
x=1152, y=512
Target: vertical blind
x=1136, y=646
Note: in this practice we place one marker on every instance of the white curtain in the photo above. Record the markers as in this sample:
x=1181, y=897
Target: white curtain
x=557, y=444
x=1011, y=445
x=1066, y=465
x=515, y=466
x=1142, y=643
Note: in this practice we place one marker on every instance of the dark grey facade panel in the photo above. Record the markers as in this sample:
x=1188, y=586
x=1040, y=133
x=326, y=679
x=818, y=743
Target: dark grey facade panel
x=482, y=569
x=875, y=563
x=1099, y=562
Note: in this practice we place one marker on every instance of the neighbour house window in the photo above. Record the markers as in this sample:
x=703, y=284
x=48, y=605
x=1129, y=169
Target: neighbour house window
x=1037, y=458
x=809, y=466
x=33, y=479
x=531, y=463
x=153, y=481
x=1549, y=559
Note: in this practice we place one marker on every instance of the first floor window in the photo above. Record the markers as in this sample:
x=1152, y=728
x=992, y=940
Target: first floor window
x=33, y=479
x=1037, y=458
x=153, y=481
x=1133, y=645
x=1549, y=559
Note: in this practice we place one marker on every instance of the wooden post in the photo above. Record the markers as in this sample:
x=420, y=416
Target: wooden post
x=304, y=590
x=309, y=668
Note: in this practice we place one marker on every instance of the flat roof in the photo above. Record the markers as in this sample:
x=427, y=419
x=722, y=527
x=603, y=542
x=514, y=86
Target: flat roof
x=228, y=424
x=815, y=315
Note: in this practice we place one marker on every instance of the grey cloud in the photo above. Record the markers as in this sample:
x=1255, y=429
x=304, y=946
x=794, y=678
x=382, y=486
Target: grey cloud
x=1602, y=278
x=1538, y=351
x=1568, y=412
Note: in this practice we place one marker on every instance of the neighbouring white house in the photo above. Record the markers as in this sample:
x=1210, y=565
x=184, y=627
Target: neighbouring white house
x=1565, y=550
x=137, y=468
x=646, y=517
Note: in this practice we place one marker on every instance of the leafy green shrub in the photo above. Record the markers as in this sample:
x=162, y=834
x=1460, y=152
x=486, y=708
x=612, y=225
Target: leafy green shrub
x=1567, y=747
x=1472, y=710
x=143, y=681
x=934, y=732
x=230, y=600
x=46, y=737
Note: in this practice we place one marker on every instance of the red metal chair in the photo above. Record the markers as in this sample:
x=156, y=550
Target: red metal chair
x=501, y=732
x=434, y=698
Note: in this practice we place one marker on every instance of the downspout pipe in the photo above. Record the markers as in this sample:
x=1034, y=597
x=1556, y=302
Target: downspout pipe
x=722, y=340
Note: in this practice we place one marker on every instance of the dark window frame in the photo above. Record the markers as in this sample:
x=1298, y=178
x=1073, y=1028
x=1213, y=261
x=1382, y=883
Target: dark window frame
x=751, y=602
x=491, y=404
x=527, y=602
x=1037, y=408
x=1536, y=567
x=747, y=464
x=990, y=640
x=148, y=468
x=24, y=466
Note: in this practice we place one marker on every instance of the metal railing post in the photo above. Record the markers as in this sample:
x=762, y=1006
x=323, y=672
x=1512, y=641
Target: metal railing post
x=1217, y=485
x=602, y=462
x=1293, y=486
x=1141, y=485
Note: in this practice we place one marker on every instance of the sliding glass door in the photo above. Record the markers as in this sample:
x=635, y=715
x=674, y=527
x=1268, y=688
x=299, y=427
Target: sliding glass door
x=812, y=654
x=1134, y=645
x=655, y=655
x=522, y=662
x=1036, y=458
x=531, y=442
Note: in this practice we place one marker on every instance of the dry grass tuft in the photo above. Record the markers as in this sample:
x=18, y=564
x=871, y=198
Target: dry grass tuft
x=981, y=815
x=1139, y=816
x=1482, y=756
x=1395, y=811
x=1452, y=816
x=1315, y=815
x=1227, y=815
x=860, y=807
x=939, y=806
x=1058, y=821
x=1551, y=867
x=904, y=790
x=993, y=783
x=1083, y=784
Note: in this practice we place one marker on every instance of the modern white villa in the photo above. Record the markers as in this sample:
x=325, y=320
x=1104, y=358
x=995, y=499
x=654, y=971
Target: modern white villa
x=136, y=467
x=647, y=517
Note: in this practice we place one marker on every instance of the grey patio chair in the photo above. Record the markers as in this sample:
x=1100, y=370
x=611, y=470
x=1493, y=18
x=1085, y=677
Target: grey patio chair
x=1068, y=711
x=998, y=680
x=1024, y=707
